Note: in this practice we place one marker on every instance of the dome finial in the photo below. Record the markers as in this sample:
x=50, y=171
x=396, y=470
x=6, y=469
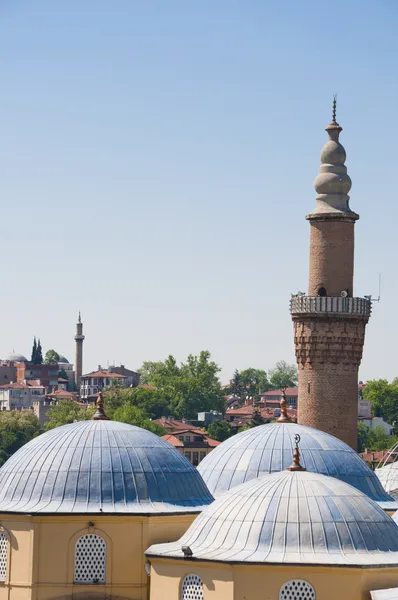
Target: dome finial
x=100, y=414
x=284, y=417
x=295, y=466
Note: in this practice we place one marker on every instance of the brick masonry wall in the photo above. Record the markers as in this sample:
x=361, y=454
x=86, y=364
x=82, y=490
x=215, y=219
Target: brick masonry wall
x=328, y=353
x=331, y=257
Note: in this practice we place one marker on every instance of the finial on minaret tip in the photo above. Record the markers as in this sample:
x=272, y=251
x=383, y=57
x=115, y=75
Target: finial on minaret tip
x=80, y=317
x=284, y=417
x=100, y=414
x=295, y=466
x=334, y=108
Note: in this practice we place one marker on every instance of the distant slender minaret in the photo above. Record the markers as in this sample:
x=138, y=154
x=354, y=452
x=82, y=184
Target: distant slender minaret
x=329, y=323
x=79, y=337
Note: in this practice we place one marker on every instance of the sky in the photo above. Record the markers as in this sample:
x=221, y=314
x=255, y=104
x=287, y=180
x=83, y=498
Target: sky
x=157, y=162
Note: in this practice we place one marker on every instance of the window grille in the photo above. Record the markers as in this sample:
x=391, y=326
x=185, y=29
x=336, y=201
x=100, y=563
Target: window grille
x=297, y=589
x=3, y=556
x=192, y=588
x=90, y=559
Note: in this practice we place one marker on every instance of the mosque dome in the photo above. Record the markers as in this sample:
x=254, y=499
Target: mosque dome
x=268, y=448
x=100, y=466
x=291, y=518
x=15, y=357
x=62, y=359
x=388, y=477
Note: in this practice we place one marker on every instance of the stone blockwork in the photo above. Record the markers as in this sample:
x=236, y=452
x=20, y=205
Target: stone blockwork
x=328, y=353
x=331, y=257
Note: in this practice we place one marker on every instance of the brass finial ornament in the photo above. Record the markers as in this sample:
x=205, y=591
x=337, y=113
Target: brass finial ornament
x=295, y=466
x=284, y=417
x=100, y=414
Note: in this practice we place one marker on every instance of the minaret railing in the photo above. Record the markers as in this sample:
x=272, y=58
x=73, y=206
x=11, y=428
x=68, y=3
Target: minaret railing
x=330, y=304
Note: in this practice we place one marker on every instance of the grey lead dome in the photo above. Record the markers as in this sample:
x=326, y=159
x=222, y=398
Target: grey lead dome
x=100, y=466
x=291, y=518
x=269, y=448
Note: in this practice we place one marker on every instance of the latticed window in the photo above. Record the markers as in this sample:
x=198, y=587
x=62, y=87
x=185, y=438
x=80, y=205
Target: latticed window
x=3, y=556
x=192, y=588
x=297, y=589
x=90, y=559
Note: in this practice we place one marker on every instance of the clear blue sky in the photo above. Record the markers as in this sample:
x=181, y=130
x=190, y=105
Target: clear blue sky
x=157, y=162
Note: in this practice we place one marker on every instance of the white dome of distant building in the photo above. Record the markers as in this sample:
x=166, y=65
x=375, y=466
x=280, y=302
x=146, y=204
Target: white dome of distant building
x=14, y=356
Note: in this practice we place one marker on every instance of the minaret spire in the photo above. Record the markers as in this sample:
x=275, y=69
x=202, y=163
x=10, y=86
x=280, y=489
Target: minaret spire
x=79, y=338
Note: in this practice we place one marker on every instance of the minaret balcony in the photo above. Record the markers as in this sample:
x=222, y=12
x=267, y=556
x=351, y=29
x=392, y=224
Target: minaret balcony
x=330, y=305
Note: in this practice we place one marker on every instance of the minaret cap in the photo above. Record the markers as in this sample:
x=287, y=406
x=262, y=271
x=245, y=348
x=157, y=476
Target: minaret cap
x=100, y=414
x=295, y=466
x=333, y=183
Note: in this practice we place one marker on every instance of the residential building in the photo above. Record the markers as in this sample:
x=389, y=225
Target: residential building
x=192, y=443
x=46, y=375
x=132, y=377
x=94, y=382
x=172, y=425
x=209, y=417
x=272, y=398
x=19, y=396
x=374, y=422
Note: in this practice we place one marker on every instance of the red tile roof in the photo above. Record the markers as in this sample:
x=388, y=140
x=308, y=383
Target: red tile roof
x=62, y=393
x=288, y=392
x=62, y=380
x=173, y=440
x=104, y=374
x=14, y=386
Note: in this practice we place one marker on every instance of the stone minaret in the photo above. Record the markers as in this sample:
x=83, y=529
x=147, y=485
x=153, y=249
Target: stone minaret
x=329, y=323
x=79, y=337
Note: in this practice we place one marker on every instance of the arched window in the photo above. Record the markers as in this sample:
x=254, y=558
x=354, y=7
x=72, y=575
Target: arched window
x=3, y=556
x=297, y=589
x=90, y=559
x=192, y=588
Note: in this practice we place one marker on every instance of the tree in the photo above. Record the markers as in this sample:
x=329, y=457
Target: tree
x=254, y=381
x=63, y=374
x=374, y=439
x=236, y=384
x=16, y=429
x=51, y=358
x=39, y=354
x=220, y=430
x=148, y=400
x=135, y=416
x=65, y=412
x=383, y=398
x=364, y=436
x=283, y=375
x=188, y=388
x=34, y=351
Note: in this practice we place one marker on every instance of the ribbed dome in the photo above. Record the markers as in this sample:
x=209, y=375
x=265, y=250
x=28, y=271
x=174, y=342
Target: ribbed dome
x=291, y=518
x=62, y=359
x=268, y=448
x=388, y=476
x=100, y=466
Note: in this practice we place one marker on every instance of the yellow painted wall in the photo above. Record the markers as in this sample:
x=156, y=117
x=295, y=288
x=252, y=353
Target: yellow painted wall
x=251, y=582
x=41, y=553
